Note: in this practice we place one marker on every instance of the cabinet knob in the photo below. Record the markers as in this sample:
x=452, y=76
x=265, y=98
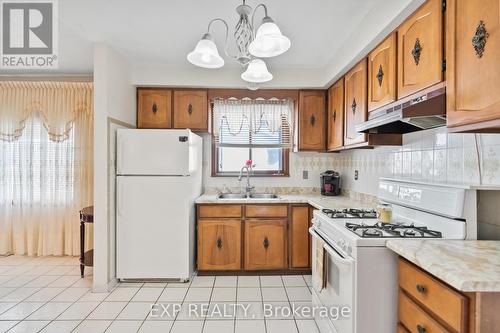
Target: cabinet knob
x=154, y=108
x=421, y=289
x=190, y=108
x=479, y=39
x=417, y=50
x=421, y=329
x=266, y=243
x=313, y=120
x=219, y=243
x=353, y=106
x=334, y=115
x=380, y=75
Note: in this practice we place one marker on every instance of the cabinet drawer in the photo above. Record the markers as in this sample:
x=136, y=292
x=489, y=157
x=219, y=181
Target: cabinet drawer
x=219, y=210
x=266, y=211
x=219, y=244
x=440, y=299
x=416, y=319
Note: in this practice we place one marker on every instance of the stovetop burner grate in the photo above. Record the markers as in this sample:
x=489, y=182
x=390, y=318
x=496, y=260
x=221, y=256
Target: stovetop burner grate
x=351, y=213
x=390, y=230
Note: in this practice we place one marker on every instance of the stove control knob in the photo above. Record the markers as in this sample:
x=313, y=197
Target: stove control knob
x=349, y=249
x=342, y=244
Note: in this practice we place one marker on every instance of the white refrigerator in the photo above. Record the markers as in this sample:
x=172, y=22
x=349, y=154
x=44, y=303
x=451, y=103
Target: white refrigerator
x=158, y=178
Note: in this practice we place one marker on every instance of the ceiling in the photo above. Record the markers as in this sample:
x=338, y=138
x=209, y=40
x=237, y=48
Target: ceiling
x=161, y=32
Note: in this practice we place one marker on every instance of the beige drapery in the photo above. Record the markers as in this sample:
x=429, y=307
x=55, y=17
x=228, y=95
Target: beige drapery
x=46, y=165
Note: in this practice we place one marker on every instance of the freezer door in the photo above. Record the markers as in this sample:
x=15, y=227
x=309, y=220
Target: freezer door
x=155, y=218
x=153, y=152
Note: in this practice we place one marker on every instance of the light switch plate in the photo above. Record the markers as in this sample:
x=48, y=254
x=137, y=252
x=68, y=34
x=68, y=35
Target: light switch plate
x=305, y=174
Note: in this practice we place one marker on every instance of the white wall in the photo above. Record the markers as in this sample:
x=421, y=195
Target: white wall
x=377, y=24
x=114, y=107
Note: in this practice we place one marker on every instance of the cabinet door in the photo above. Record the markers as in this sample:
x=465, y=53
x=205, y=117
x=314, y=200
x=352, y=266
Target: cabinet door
x=191, y=109
x=219, y=244
x=473, y=65
x=382, y=74
x=355, y=103
x=420, y=49
x=312, y=120
x=336, y=115
x=154, y=108
x=265, y=244
x=299, y=237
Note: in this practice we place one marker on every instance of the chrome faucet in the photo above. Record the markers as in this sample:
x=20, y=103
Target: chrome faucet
x=248, y=167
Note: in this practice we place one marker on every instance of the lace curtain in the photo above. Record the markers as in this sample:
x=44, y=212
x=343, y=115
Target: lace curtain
x=46, y=165
x=260, y=119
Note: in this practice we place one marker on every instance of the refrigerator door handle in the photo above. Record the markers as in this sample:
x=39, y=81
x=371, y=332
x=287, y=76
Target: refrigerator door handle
x=119, y=198
x=119, y=160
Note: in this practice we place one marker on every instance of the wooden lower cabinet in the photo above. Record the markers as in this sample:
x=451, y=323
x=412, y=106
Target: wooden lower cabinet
x=299, y=237
x=265, y=244
x=428, y=305
x=254, y=237
x=219, y=244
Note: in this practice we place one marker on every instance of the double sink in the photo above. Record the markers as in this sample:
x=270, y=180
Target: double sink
x=235, y=196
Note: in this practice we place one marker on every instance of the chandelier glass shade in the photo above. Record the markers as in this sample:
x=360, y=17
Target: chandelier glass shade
x=257, y=72
x=205, y=54
x=267, y=42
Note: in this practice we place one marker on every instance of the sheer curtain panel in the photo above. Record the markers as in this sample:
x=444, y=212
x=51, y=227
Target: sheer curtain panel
x=46, y=166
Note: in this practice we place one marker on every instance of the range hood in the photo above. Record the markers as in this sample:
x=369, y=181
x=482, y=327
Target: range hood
x=424, y=110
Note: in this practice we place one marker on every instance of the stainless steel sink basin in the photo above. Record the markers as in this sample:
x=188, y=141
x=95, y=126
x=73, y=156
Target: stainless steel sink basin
x=263, y=196
x=231, y=196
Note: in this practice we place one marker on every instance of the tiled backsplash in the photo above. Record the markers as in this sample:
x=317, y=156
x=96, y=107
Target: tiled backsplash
x=431, y=156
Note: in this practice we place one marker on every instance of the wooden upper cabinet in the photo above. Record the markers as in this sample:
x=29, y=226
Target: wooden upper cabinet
x=191, y=109
x=382, y=74
x=154, y=108
x=420, y=49
x=355, y=103
x=312, y=106
x=473, y=64
x=335, y=116
x=219, y=244
x=265, y=244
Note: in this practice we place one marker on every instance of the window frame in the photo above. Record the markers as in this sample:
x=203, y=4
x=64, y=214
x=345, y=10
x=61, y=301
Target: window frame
x=242, y=93
x=284, y=172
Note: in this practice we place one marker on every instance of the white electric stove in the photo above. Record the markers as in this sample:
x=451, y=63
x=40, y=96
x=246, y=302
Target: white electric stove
x=353, y=269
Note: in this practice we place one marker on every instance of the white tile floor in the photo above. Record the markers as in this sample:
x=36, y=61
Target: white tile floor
x=47, y=295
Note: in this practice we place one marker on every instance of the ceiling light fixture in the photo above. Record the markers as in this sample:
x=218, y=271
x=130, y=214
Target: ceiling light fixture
x=267, y=42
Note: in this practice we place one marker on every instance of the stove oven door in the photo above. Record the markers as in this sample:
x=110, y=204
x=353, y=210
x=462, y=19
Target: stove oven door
x=335, y=295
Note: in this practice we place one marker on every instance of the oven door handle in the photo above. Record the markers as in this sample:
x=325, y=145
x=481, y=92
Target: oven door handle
x=337, y=257
x=331, y=251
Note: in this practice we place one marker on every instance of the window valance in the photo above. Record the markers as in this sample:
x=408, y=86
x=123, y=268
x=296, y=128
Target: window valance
x=253, y=122
x=57, y=104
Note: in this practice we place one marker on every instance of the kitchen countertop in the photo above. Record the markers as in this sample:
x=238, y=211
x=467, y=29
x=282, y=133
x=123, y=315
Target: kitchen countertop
x=467, y=265
x=315, y=200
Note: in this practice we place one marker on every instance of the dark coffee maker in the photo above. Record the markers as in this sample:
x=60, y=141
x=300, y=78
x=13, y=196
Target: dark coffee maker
x=330, y=183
